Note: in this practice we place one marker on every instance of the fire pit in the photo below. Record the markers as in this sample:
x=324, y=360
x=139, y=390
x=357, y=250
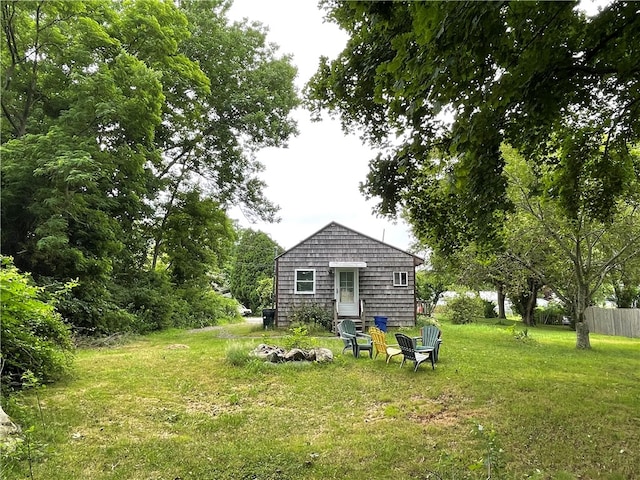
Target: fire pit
x=275, y=354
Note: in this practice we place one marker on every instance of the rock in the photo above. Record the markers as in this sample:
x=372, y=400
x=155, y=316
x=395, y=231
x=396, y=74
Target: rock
x=269, y=353
x=295, y=355
x=323, y=355
x=275, y=354
x=9, y=431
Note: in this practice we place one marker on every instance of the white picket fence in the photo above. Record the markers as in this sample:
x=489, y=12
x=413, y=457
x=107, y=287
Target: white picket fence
x=623, y=322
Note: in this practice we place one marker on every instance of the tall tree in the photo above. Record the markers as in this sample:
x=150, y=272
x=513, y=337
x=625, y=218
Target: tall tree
x=431, y=283
x=452, y=81
x=199, y=240
x=79, y=114
x=254, y=263
x=209, y=134
x=114, y=114
x=572, y=256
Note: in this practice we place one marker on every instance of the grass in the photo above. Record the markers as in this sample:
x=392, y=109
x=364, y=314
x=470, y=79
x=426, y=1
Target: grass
x=190, y=405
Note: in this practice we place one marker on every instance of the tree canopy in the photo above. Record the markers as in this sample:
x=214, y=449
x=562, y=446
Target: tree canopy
x=252, y=277
x=438, y=87
x=128, y=129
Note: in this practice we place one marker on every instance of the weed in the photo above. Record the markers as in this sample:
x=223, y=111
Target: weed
x=298, y=337
x=493, y=458
x=237, y=354
x=26, y=448
x=520, y=335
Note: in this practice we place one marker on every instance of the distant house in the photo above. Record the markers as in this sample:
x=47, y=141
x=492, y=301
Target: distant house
x=350, y=274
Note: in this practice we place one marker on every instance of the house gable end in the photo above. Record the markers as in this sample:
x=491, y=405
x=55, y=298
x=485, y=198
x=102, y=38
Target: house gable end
x=386, y=274
x=335, y=228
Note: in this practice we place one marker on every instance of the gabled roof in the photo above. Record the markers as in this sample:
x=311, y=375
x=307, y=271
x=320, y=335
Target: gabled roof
x=416, y=260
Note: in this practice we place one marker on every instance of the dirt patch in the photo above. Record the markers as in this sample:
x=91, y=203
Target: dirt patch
x=205, y=329
x=446, y=409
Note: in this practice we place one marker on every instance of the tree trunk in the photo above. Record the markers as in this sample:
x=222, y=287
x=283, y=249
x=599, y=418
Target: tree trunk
x=582, y=336
x=501, y=299
x=529, y=300
x=582, y=329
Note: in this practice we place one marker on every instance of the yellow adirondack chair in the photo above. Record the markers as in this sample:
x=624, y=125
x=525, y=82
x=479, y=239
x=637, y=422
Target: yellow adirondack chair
x=380, y=344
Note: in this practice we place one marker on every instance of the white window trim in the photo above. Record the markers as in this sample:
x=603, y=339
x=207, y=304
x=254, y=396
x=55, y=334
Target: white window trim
x=295, y=281
x=399, y=276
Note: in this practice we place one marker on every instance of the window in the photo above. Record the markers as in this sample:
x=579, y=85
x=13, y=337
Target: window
x=305, y=281
x=400, y=279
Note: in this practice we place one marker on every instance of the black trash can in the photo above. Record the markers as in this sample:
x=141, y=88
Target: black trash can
x=381, y=323
x=268, y=317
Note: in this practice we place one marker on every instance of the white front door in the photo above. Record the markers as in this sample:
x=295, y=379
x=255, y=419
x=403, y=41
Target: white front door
x=347, y=292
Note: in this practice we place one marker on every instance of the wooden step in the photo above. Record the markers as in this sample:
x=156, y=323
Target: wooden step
x=356, y=320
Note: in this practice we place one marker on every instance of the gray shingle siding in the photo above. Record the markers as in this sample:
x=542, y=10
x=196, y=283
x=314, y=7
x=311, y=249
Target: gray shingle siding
x=337, y=243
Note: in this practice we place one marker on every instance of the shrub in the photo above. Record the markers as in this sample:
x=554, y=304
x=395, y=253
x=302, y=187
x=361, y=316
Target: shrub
x=150, y=299
x=202, y=307
x=34, y=336
x=551, y=314
x=425, y=320
x=91, y=310
x=312, y=314
x=298, y=337
x=464, y=308
x=489, y=309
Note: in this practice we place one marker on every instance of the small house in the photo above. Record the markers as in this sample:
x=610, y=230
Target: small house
x=350, y=275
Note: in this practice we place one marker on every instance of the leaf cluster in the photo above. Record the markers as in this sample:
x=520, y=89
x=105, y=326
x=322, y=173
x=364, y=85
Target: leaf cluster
x=34, y=337
x=438, y=87
x=128, y=129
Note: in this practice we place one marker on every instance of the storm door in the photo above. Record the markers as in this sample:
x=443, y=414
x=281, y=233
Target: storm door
x=347, y=292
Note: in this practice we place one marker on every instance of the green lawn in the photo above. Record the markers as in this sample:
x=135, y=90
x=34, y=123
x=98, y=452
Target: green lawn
x=172, y=405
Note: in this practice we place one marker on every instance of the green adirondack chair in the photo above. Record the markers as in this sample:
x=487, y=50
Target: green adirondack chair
x=431, y=340
x=353, y=339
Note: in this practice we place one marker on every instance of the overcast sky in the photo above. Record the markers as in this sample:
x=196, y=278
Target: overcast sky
x=315, y=181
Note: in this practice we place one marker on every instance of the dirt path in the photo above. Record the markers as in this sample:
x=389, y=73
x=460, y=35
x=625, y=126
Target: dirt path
x=251, y=320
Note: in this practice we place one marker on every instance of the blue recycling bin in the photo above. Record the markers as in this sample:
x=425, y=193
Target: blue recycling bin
x=381, y=322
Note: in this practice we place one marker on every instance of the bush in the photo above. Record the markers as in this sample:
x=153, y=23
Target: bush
x=200, y=307
x=298, y=337
x=312, y=314
x=550, y=315
x=464, y=308
x=490, y=309
x=150, y=299
x=425, y=320
x=34, y=336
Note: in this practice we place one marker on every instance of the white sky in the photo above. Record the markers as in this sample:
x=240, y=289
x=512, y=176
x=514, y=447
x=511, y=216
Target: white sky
x=314, y=181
